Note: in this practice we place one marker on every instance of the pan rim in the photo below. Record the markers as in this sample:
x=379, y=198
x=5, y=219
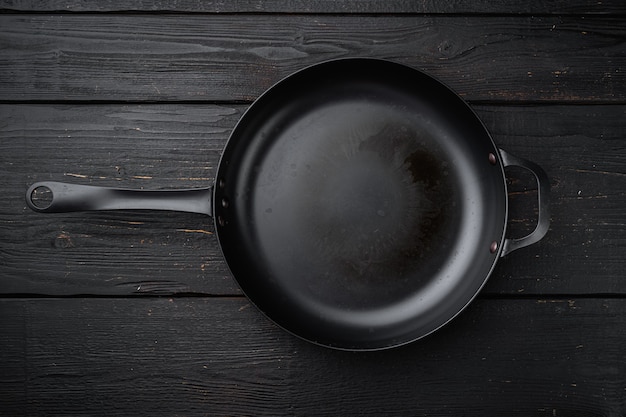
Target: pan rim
x=224, y=162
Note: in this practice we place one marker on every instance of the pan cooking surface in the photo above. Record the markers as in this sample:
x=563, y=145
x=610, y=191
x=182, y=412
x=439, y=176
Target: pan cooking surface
x=375, y=205
x=359, y=212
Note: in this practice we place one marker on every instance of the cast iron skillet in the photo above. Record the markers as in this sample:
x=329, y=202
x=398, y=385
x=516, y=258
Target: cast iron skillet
x=360, y=204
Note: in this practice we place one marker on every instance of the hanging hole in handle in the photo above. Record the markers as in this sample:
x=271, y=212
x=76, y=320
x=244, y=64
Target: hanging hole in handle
x=41, y=197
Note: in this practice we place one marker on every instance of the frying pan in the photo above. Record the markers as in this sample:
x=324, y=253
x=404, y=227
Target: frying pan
x=359, y=203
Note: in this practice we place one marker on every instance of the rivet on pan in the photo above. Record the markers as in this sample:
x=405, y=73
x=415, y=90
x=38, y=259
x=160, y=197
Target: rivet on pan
x=494, y=247
x=225, y=202
x=221, y=221
x=221, y=183
x=492, y=158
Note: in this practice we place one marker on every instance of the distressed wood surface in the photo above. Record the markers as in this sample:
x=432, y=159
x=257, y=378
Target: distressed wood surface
x=135, y=313
x=558, y=7
x=178, y=146
x=220, y=357
x=237, y=57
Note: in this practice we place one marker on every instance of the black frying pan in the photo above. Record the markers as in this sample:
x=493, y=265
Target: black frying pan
x=360, y=204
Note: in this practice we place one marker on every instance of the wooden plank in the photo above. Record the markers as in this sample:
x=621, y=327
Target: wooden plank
x=154, y=146
x=178, y=146
x=583, y=150
x=218, y=357
x=559, y=7
x=236, y=57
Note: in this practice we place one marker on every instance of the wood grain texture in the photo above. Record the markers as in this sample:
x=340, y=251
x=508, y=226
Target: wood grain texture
x=582, y=148
x=236, y=57
x=218, y=357
x=323, y=6
x=150, y=322
x=111, y=253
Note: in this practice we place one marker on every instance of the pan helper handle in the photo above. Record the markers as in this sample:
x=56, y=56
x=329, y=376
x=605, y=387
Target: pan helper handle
x=543, y=222
x=63, y=197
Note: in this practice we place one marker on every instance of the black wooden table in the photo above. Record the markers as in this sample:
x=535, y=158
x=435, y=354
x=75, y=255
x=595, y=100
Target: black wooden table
x=135, y=313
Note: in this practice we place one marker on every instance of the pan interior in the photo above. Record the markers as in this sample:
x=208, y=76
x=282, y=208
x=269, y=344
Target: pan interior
x=354, y=208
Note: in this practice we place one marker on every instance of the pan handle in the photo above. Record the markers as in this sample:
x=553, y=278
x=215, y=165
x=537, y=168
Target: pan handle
x=543, y=222
x=74, y=197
